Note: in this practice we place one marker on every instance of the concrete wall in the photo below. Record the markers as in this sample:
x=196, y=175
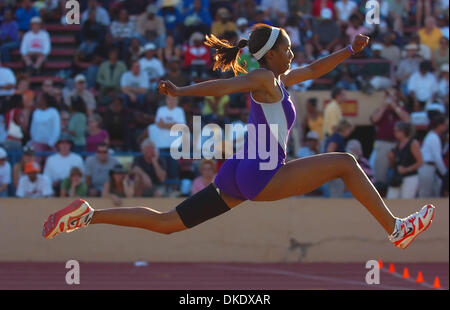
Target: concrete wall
x=309, y=230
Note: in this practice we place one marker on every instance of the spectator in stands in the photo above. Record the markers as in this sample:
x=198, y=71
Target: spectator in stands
x=150, y=171
x=35, y=46
x=440, y=55
x=97, y=169
x=151, y=65
x=28, y=104
x=77, y=124
x=434, y=167
x=313, y=120
x=405, y=159
x=355, y=27
x=354, y=147
x=9, y=36
x=33, y=184
x=326, y=38
x=332, y=113
x=424, y=51
x=45, y=125
x=222, y=23
x=311, y=145
x=337, y=143
x=172, y=18
x=134, y=50
x=169, y=50
x=422, y=86
x=430, y=34
x=197, y=57
x=277, y=11
x=81, y=91
x=215, y=108
x=384, y=120
x=174, y=73
x=443, y=86
x=13, y=119
x=319, y=5
x=74, y=186
x=390, y=51
x=57, y=166
x=64, y=117
x=7, y=85
x=101, y=15
x=122, y=31
x=18, y=168
x=117, y=121
x=24, y=14
x=207, y=174
x=120, y=185
x=110, y=73
x=5, y=173
x=134, y=85
x=344, y=9
x=243, y=31
x=407, y=66
x=150, y=26
x=96, y=135
x=442, y=23
x=92, y=34
x=197, y=18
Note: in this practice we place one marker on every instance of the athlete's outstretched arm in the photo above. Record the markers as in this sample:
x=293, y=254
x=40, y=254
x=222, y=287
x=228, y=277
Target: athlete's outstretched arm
x=255, y=80
x=324, y=65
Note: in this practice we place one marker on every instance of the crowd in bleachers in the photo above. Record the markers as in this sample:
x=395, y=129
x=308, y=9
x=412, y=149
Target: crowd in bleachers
x=69, y=135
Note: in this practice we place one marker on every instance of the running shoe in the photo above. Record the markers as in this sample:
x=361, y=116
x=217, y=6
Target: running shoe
x=407, y=229
x=78, y=214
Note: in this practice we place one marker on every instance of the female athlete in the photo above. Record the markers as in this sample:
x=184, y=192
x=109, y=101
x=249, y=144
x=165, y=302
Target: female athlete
x=242, y=177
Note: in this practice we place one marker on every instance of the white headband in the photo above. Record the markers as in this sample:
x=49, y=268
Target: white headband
x=273, y=37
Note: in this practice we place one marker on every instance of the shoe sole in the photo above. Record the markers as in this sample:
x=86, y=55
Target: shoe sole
x=55, y=220
x=433, y=209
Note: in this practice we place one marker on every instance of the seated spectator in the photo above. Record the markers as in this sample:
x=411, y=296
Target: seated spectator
x=13, y=120
x=7, y=85
x=344, y=9
x=390, y=51
x=92, y=33
x=117, y=123
x=430, y=34
x=120, y=185
x=150, y=25
x=9, y=36
x=122, y=31
x=96, y=135
x=311, y=146
x=150, y=171
x=74, y=186
x=172, y=17
x=101, y=15
x=215, y=108
x=434, y=168
x=407, y=66
x=110, y=73
x=134, y=85
x=326, y=34
x=57, y=166
x=243, y=31
x=18, y=168
x=424, y=51
x=77, y=124
x=406, y=159
x=80, y=90
x=174, y=72
x=222, y=23
x=197, y=57
x=319, y=5
x=197, y=18
x=35, y=46
x=55, y=92
x=5, y=173
x=169, y=51
x=97, y=169
x=151, y=65
x=24, y=14
x=33, y=184
x=440, y=56
x=422, y=87
x=134, y=50
x=354, y=147
x=207, y=174
x=444, y=85
x=332, y=113
x=313, y=120
x=45, y=125
x=64, y=117
x=355, y=27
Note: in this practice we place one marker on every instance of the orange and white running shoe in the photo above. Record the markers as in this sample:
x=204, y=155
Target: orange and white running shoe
x=407, y=229
x=78, y=214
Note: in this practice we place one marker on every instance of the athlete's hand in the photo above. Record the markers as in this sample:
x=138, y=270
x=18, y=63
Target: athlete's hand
x=168, y=88
x=360, y=42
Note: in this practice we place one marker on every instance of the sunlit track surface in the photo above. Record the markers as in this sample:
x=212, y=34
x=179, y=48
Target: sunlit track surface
x=220, y=276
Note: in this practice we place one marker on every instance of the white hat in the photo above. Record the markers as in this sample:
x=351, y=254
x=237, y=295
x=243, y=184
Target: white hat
x=444, y=68
x=3, y=153
x=411, y=46
x=36, y=19
x=149, y=47
x=326, y=13
x=80, y=78
x=241, y=21
x=377, y=47
x=312, y=135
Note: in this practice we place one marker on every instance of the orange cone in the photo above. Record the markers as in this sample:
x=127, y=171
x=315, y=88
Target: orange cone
x=419, y=277
x=391, y=268
x=380, y=264
x=437, y=284
x=406, y=273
